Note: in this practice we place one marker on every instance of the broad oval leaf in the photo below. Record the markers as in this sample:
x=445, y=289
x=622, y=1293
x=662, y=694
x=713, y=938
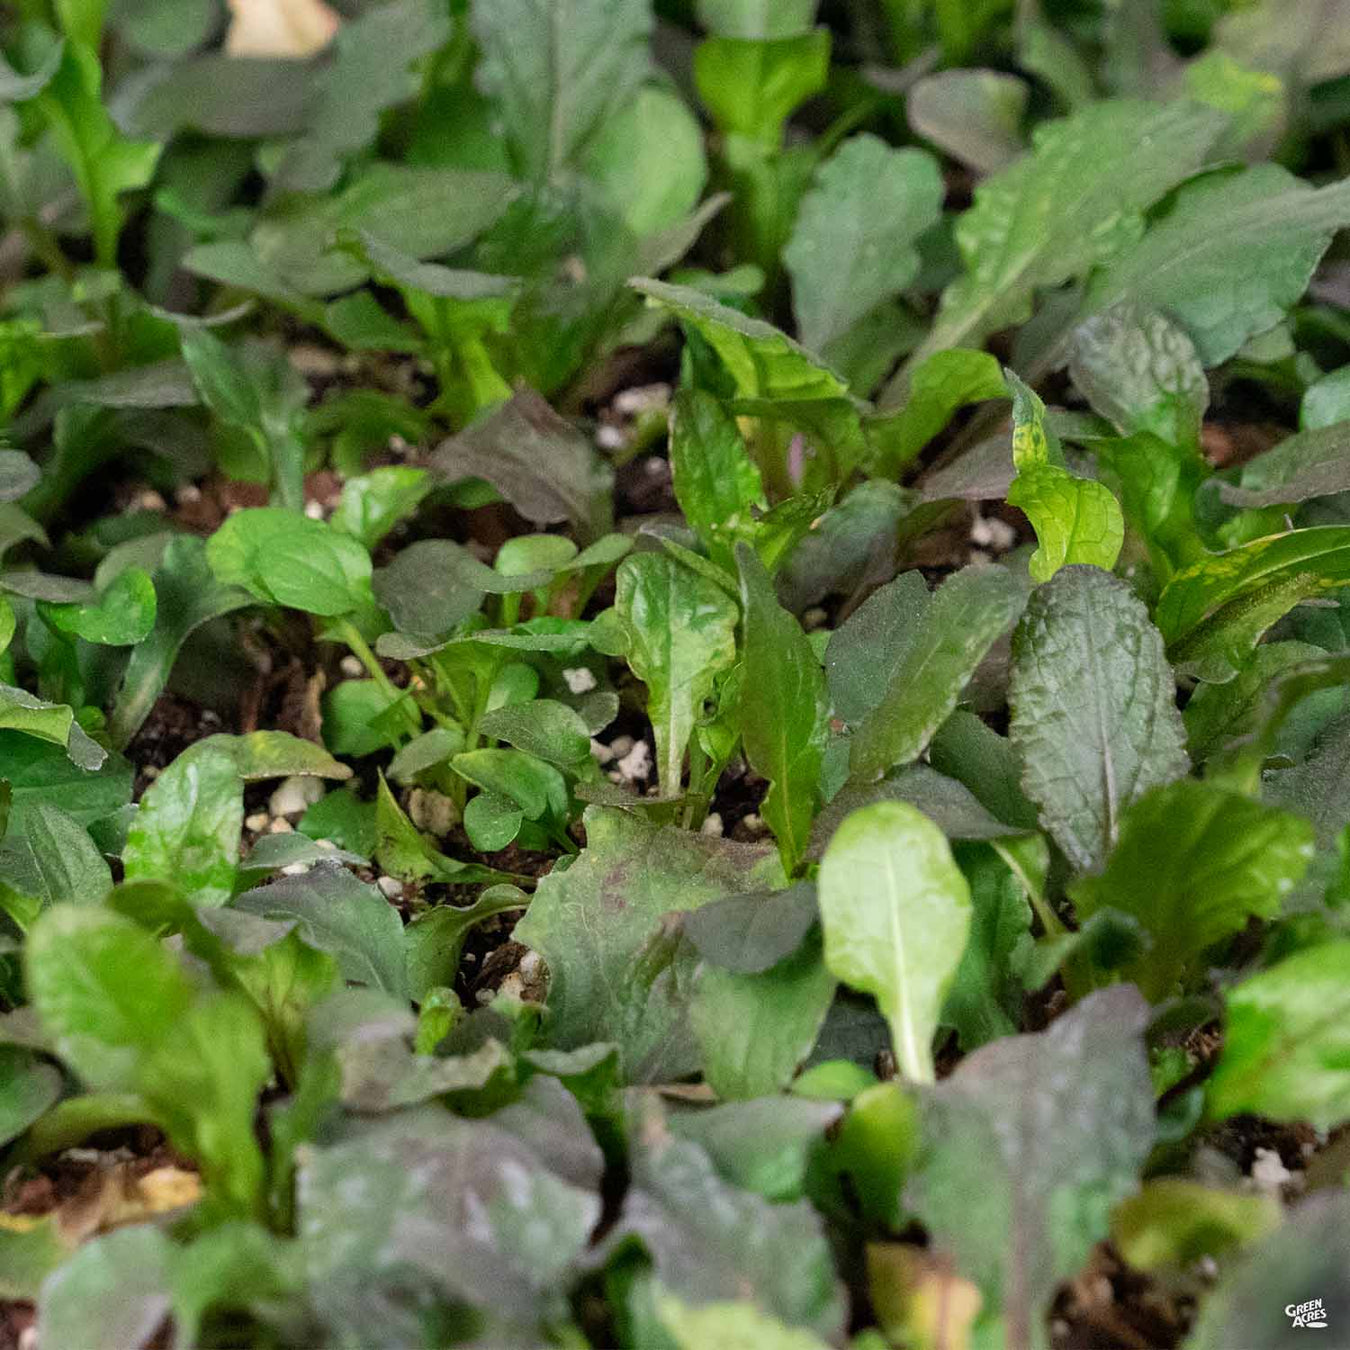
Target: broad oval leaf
x=896, y=913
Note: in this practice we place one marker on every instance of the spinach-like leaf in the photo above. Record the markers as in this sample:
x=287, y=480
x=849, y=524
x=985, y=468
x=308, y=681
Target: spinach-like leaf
x=189, y=825
x=1094, y=712
x=284, y=558
x=783, y=709
x=122, y=615
x=70, y=866
x=1027, y=1146
x=681, y=635
x=896, y=914
x=1288, y=1038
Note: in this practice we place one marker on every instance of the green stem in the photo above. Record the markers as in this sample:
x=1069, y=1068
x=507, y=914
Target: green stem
x=361, y=650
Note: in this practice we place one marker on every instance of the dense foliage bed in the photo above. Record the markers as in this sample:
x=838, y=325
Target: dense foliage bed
x=674, y=675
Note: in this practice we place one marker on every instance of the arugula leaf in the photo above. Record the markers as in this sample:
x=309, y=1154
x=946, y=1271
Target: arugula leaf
x=1076, y=200
x=1193, y=863
x=1026, y=1147
x=1076, y=520
x=557, y=72
x=783, y=709
x=1285, y=1048
x=1224, y=286
x=283, y=558
x=538, y=461
x=853, y=245
x=681, y=635
x=940, y=653
x=1094, y=713
x=611, y=974
x=751, y=86
x=896, y=914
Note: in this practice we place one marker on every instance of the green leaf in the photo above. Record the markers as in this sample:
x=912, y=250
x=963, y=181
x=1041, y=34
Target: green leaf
x=752, y=86
x=783, y=709
x=28, y=1087
x=747, y=934
x=941, y=384
x=335, y=912
x=728, y=1326
x=40, y=772
x=854, y=243
x=599, y=932
x=52, y=722
x=681, y=635
x=187, y=596
x=1076, y=520
x=282, y=558
x=544, y=728
x=202, y=1078
x=536, y=787
x=1225, y=286
x=1307, y=465
x=869, y=645
x=123, y=614
x=105, y=989
x=710, y=1242
x=259, y=755
x=1027, y=1147
x=188, y=827
x=757, y=18
x=1141, y=372
x=648, y=159
x=1174, y=1222
x=104, y=162
x=935, y=661
x=768, y=369
x=372, y=504
x=1075, y=201
x=71, y=867
x=18, y=475
x=717, y=484
x=755, y=1030
x=896, y=912
x=1286, y=1049
x=1193, y=863
x=984, y=1001
x=557, y=72
x=1319, y=558
x=492, y=821
x=435, y=938
x=1094, y=712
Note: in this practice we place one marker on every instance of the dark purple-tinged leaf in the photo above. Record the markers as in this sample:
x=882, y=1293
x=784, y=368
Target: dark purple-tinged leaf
x=615, y=973
x=1028, y=1145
